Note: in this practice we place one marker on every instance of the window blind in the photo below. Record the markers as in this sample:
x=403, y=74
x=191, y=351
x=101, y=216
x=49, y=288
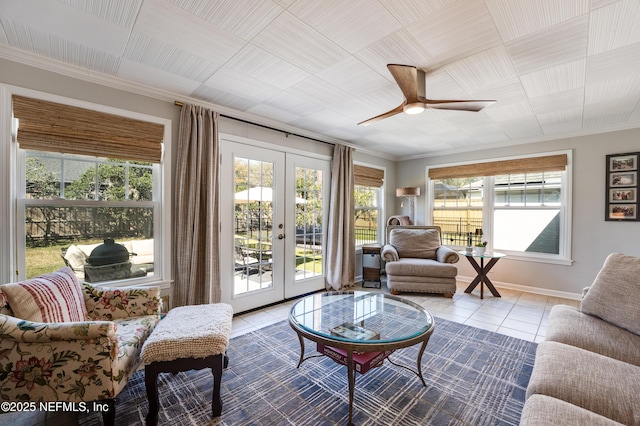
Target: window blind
x=368, y=176
x=50, y=126
x=522, y=165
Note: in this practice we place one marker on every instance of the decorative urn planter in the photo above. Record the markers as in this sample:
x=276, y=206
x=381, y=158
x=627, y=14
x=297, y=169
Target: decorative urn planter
x=479, y=250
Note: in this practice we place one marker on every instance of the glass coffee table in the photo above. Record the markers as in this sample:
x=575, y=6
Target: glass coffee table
x=360, y=329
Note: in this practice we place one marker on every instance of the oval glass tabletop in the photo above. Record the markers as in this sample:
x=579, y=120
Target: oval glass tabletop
x=361, y=317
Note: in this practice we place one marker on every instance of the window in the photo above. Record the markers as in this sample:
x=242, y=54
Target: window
x=367, y=209
x=534, y=199
x=457, y=209
x=367, y=199
x=73, y=196
x=521, y=207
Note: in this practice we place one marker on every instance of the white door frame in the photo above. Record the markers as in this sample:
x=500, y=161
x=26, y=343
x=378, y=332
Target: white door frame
x=284, y=283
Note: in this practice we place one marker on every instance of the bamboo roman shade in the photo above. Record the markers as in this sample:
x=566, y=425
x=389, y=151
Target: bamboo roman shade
x=50, y=126
x=367, y=176
x=522, y=165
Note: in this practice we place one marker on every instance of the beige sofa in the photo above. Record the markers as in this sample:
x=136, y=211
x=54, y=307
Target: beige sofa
x=587, y=371
x=140, y=263
x=416, y=261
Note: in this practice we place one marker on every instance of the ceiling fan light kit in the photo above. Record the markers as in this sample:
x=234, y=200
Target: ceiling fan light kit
x=414, y=108
x=412, y=84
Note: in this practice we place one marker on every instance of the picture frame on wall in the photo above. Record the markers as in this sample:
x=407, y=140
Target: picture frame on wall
x=621, y=203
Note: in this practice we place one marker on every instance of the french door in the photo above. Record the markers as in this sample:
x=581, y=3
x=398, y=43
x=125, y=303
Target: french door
x=273, y=205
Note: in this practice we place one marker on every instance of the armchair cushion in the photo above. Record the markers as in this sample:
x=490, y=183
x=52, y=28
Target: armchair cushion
x=416, y=243
x=614, y=296
x=54, y=297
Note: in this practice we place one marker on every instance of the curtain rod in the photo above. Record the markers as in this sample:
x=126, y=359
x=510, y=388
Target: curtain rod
x=180, y=104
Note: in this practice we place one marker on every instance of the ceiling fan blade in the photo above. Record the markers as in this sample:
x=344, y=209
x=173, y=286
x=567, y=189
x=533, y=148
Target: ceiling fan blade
x=394, y=111
x=410, y=80
x=469, y=105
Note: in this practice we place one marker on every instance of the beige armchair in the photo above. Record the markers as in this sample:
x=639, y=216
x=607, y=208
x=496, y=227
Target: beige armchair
x=416, y=261
x=76, y=344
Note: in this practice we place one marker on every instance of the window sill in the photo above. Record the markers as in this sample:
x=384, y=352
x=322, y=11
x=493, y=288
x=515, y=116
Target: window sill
x=526, y=258
x=538, y=259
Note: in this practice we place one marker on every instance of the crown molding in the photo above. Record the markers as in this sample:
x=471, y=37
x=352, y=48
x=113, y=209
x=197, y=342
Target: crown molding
x=114, y=82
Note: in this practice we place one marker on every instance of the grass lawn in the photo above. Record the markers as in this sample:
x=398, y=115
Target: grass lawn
x=42, y=260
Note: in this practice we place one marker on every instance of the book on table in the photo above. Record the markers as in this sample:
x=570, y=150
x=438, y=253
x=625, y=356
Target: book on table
x=349, y=330
x=363, y=361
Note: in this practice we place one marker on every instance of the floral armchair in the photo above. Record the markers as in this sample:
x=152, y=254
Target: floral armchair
x=84, y=360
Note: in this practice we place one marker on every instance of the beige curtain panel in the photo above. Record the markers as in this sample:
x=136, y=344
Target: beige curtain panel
x=50, y=126
x=197, y=239
x=524, y=165
x=341, y=243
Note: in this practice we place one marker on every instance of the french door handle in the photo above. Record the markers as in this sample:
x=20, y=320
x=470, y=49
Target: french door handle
x=280, y=236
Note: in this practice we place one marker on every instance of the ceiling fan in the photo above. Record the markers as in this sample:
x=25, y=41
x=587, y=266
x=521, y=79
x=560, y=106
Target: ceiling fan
x=412, y=83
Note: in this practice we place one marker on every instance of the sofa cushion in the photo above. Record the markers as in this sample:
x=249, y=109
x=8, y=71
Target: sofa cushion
x=417, y=243
x=572, y=327
x=614, y=296
x=75, y=257
x=409, y=266
x=603, y=385
x=54, y=297
x=542, y=410
x=132, y=333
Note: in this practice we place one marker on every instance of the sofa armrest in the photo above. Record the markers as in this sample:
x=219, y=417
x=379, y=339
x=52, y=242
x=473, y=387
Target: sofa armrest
x=584, y=291
x=389, y=253
x=446, y=255
x=40, y=332
x=107, y=304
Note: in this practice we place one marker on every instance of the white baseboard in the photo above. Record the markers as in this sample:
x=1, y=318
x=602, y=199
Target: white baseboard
x=528, y=289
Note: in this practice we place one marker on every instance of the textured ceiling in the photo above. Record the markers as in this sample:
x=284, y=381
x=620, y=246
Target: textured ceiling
x=556, y=67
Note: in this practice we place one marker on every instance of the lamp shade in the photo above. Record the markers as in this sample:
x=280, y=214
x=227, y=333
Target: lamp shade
x=408, y=192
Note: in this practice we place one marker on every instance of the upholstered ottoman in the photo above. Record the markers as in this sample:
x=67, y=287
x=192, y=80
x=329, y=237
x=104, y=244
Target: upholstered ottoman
x=188, y=338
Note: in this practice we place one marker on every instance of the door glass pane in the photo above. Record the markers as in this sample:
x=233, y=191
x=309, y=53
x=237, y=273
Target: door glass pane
x=309, y=261
x=253, y=220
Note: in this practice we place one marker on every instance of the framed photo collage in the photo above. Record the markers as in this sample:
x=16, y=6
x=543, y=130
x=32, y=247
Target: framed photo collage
x=622, y=187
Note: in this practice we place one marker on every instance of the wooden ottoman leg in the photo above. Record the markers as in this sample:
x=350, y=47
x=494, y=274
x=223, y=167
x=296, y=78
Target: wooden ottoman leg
x=218, y=363
x=151, y=383
x=109, y=416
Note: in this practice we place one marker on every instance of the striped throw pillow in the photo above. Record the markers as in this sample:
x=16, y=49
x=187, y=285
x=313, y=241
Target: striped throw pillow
x=54, y=297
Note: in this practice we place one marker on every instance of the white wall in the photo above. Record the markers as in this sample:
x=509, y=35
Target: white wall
x=593, y=238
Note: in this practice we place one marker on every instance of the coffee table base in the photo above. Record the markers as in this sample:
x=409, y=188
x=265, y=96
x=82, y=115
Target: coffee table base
x=351, y=371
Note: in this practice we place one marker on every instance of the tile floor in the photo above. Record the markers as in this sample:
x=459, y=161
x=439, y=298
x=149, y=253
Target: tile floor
x=516, y=313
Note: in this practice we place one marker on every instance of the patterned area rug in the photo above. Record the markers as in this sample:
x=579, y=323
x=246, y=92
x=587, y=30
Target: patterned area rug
x=473, y=376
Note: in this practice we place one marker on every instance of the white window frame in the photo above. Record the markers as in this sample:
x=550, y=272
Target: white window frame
x=564, y=256
x=12, y=203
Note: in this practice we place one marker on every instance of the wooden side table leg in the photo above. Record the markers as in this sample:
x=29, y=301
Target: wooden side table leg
x=216, y=369
x=151, y=384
